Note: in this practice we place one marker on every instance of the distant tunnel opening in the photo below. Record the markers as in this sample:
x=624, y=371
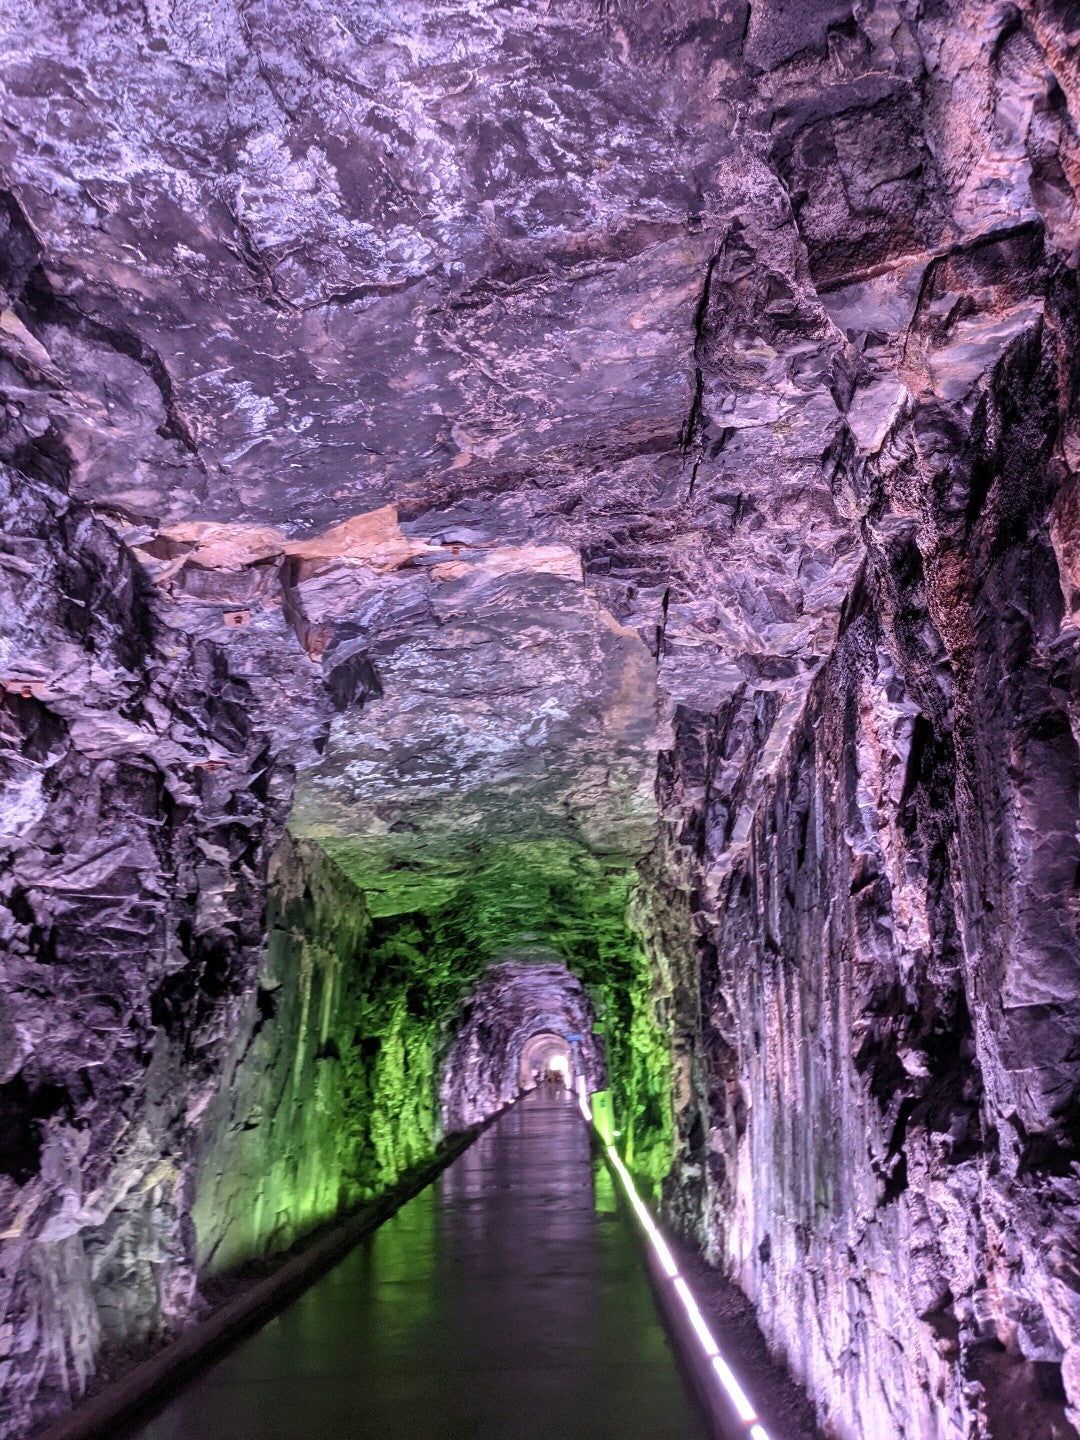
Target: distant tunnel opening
x=527, y=1019
x=545, y=1057
x=391, y=1015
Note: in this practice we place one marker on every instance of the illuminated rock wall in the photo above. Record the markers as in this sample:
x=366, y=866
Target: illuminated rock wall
x=605, y=474
x=880, y=1144
x=140, y=801
x=328, y=1092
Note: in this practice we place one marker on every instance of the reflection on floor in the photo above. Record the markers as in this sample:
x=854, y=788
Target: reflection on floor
x=508, y=1301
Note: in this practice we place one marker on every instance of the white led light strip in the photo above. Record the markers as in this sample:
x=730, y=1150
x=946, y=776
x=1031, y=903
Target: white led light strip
x=720, y=1368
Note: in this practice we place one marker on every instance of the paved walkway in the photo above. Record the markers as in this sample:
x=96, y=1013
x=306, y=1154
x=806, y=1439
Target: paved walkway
x=508, y=1301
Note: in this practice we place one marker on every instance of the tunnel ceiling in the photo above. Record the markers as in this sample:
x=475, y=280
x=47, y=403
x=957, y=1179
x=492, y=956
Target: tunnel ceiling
x=516, y=712
x=300, y=268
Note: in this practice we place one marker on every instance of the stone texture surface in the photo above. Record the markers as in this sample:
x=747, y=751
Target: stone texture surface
x=140, y=797
x=890, y=1024
x=608, y=471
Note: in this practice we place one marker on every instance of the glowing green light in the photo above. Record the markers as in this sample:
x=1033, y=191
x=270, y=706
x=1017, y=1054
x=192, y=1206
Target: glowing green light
x=334, y=1093
x=603, y=1116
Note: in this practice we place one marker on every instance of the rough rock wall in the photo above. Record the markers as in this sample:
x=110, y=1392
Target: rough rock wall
x=329, y=1092
x=143, y=785
x=882, y=1143
x=132, y=923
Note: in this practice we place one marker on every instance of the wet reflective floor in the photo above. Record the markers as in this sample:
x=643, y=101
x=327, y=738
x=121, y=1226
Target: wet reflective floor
x=507, y=1301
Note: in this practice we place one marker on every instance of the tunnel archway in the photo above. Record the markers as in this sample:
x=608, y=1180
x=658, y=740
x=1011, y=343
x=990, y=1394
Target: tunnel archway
x=546, y=1054
x=524, y=1013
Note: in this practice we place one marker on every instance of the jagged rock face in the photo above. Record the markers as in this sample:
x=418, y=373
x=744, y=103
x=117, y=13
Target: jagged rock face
x=140, y=796
x=329, y=1087
x=475, y=412
x=889, y=1022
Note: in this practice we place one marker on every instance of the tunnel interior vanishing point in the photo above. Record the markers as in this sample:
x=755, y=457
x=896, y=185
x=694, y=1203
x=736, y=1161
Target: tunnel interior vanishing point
x=540, y=707
x=546, y=1057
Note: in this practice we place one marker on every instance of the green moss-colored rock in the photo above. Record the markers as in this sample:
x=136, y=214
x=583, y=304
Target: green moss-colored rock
x=332, y=1088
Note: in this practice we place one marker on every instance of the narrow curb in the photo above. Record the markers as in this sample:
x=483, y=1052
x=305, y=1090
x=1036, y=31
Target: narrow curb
x=116, y=1409
x=716, y=1409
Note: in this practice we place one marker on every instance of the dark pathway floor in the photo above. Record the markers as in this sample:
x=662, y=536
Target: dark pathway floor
x=508, y=1301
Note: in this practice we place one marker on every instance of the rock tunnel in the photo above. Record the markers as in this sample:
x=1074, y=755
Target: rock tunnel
x=547, y=1056
x=547, y=534
x=529, y=1018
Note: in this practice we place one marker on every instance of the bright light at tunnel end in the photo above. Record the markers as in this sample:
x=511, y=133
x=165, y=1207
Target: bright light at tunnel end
x=719, y=1366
